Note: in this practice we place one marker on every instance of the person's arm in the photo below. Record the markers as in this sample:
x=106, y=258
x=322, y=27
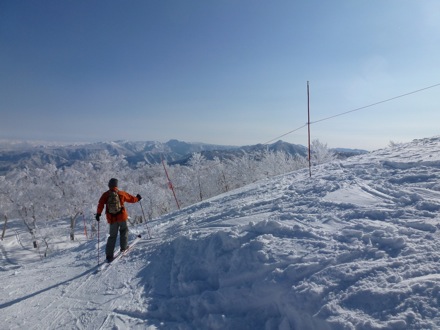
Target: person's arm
x=130, y=198
x=101, y=203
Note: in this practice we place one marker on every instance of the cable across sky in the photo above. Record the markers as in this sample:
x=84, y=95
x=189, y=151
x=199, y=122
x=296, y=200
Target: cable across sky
x=353, y=110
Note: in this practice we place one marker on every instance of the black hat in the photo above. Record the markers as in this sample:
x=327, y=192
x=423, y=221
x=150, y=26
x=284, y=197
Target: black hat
x=113, y=183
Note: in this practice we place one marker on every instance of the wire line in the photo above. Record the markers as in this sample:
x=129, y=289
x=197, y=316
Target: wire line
x=354, y=110
x=296, y=129
x=373, y=104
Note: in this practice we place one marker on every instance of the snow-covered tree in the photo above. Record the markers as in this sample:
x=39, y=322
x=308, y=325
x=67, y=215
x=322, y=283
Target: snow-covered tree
x=321, y=153
x=197, y=164
x=6, y=203
x=41, y=195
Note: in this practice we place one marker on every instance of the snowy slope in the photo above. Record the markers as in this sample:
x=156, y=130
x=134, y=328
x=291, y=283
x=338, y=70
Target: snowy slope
x=356, y=246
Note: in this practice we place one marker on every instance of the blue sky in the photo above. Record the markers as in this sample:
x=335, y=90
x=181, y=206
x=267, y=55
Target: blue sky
x=225, y=72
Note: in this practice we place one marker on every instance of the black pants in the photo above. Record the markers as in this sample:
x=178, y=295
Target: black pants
x=123, y=238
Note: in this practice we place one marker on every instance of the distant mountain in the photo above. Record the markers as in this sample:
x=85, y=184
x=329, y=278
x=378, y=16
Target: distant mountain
x=345, y=153
x=20, y=155
x=229, y=153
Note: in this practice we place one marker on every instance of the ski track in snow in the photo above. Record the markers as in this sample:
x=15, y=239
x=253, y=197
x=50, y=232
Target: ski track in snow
x=354, y=247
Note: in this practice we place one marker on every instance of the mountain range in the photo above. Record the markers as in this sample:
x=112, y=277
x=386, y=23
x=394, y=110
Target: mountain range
x=20, y=155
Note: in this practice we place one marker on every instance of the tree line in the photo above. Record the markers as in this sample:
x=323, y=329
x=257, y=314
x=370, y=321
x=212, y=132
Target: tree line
x=37, y=196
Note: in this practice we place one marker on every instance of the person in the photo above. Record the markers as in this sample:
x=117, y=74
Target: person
x=117, y=220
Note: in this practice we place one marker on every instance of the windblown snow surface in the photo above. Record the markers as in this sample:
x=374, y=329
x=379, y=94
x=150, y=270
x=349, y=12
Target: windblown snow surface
x=356, y=246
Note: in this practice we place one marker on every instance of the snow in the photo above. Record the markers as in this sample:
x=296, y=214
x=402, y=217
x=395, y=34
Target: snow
x=356, y=246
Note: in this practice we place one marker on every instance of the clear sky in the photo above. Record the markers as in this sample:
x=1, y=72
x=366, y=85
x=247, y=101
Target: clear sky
x=225, y=72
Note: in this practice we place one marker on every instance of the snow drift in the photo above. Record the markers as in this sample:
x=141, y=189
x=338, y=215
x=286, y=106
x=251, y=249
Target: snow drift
x=354, y=247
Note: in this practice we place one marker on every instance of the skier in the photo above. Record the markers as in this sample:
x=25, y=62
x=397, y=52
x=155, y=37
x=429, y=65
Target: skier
x=116, y=215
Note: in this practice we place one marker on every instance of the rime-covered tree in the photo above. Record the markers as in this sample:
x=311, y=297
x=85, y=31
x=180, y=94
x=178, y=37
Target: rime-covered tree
x=40, y=195
x=321, y=153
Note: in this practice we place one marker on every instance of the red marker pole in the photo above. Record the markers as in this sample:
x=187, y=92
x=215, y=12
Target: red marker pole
x=170, y=185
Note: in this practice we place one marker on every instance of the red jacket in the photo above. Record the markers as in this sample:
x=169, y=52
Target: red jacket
x=124, y=197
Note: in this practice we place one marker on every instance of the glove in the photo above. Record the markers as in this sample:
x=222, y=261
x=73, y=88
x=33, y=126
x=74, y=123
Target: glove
x=97, y=216
x=138, y=197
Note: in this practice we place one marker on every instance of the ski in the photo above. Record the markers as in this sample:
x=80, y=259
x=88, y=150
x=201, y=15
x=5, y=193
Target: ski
x=119, y=255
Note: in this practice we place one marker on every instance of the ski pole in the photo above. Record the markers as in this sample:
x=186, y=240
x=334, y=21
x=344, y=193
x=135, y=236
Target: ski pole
x=98, y=243
x=143, y=213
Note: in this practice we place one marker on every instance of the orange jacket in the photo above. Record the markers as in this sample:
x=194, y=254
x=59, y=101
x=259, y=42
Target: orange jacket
x=124, y=197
